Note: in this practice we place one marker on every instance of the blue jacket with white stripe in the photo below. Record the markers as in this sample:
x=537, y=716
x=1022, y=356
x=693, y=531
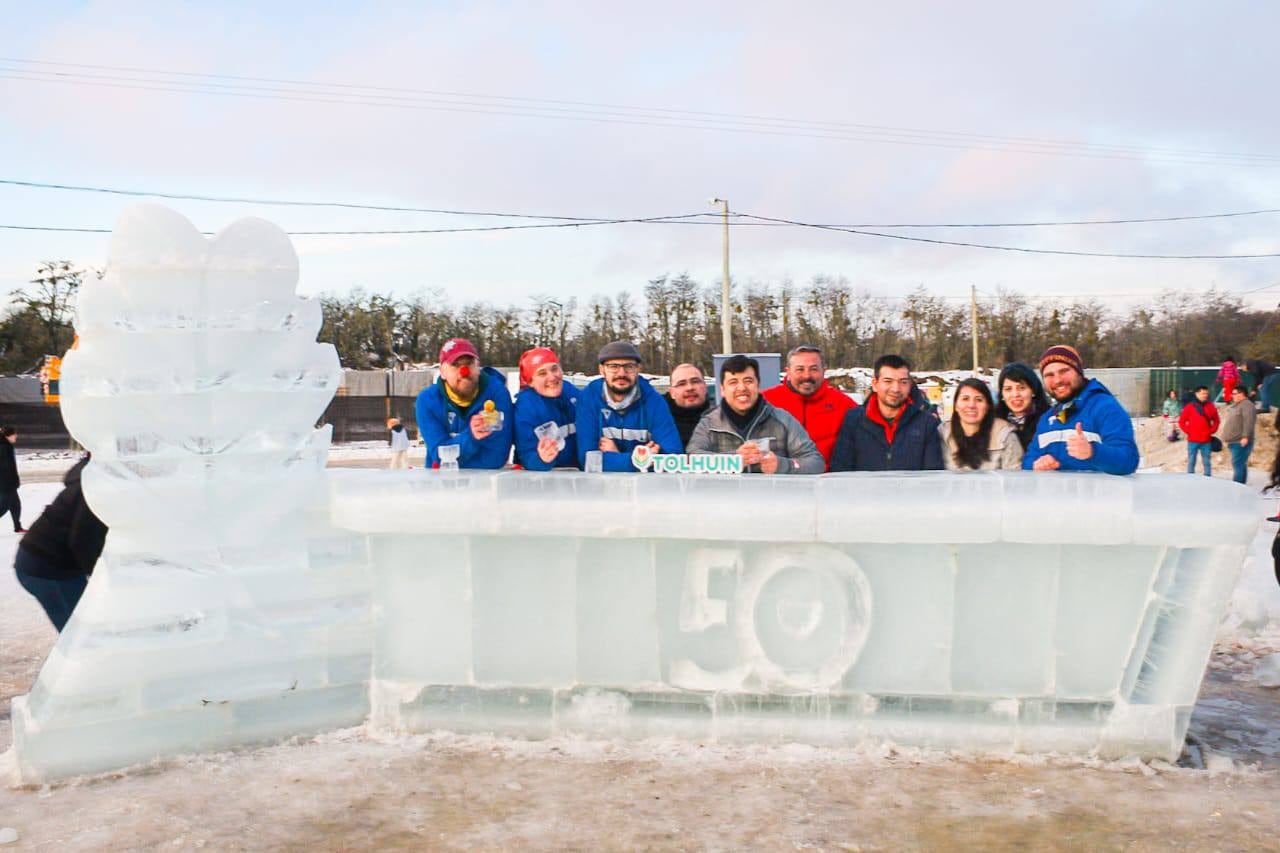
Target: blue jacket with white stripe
x=1106, y=424
x=532, y=411
x=646, y=419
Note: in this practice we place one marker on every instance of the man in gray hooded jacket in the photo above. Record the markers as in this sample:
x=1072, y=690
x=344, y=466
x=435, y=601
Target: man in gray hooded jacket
x=744, y=418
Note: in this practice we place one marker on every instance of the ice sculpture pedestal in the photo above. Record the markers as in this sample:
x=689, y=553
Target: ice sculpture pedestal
x=994, y=611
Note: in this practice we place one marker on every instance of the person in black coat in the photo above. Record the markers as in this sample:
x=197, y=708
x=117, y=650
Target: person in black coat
x=9, y=480
x=687, y=399
x=57, y=555
x=895, y=430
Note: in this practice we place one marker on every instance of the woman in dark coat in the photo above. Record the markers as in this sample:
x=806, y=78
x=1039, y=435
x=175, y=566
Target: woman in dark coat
x=57, y=555
x=1020, y=399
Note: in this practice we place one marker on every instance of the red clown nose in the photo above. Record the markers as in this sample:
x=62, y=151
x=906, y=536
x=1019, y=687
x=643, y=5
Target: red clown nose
x=464, y=371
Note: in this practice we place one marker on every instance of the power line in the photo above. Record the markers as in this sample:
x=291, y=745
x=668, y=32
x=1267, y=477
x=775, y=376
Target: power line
x=386, y=232
x=346, y=94
x=687, y=219
x=290, y=203
x=1022, y=249
x=543, y=103
x=677, y=220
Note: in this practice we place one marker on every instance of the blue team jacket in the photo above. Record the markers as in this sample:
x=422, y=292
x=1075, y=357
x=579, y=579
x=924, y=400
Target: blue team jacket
x=647, y=419
x=532, y=411
x=442, y=422
x=1106, y=424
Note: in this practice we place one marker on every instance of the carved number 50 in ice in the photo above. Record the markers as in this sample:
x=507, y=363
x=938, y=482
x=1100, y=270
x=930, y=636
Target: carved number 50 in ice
x=801, y=616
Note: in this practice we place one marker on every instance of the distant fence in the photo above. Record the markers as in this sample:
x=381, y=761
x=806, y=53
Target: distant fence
x=367, y=398
x=22, y=407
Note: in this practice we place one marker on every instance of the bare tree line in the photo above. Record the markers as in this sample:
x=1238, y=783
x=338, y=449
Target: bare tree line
x=675, y=319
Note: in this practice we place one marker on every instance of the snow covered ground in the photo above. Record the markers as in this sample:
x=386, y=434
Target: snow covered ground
x=359, y=788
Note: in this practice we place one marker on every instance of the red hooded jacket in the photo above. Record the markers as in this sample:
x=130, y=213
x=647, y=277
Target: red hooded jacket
x=1198, y=427
x=821, y=413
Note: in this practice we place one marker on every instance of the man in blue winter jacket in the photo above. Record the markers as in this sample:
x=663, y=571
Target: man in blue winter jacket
x=1086, y=429
x=620, y=410
x=456, y=410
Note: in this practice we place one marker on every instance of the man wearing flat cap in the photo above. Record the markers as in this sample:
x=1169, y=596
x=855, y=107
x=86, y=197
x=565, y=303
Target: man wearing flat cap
x=1086, y=429
x=468, y=406
x=620, y=410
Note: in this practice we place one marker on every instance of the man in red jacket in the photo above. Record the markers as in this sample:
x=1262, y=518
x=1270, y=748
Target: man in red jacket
x=1199, y=420
x=806, y=396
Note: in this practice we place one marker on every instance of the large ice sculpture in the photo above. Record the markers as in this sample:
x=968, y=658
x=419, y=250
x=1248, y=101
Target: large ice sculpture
x=223, y=610
x=246, y=594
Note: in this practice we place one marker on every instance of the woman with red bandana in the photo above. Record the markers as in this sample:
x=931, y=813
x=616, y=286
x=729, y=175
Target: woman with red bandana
x=545, y=414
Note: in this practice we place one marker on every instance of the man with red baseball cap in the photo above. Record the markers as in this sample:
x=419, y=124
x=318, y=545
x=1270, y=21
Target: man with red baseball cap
x=468, y=406
x=1086, y=429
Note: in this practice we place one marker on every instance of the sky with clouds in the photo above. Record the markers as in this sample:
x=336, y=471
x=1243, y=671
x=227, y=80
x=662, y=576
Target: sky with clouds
x=639, y=110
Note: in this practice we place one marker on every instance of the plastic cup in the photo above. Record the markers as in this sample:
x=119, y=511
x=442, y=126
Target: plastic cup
x=449, y=457
x=595, y=462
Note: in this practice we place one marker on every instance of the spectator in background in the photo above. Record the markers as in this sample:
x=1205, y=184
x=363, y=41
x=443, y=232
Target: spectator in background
x=1199, y=420
x=620, y=410
x=1271, y=487
x=1229, y=376
x=1171, y=409
x=468, y=405
x=1260, y=370
x=1237, y=432
x=744, y=419
x=399, y=445
x=975, y=439
x=1020, y=400
x=546, y=413
x=894, y=430
x=687, y=399
x=806, y=395
x=1086, y=429
x=9, y=479
x=57, y=556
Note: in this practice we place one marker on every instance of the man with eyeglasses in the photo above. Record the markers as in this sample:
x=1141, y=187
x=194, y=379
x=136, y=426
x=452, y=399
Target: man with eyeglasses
x=806, y=395
x=895, y=430
x=687, y=399
x=620, y=410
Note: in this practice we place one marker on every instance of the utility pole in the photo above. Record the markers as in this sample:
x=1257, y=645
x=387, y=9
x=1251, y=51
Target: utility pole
x=726, y=317
x=973, y=322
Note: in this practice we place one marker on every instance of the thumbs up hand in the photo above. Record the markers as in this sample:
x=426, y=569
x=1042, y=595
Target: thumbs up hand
x=1079, y=447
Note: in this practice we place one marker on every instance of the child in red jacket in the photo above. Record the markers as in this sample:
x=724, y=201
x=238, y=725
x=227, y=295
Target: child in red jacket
x=1229, y=376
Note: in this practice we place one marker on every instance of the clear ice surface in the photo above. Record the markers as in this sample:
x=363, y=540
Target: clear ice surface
x=247, y=594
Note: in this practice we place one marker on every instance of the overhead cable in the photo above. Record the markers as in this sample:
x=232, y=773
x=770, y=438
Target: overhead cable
x=1023, y=249
x=345, y=94
x=693, y=218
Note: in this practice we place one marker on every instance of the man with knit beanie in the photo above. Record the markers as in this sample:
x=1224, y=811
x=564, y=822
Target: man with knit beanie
x=1086, y=429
